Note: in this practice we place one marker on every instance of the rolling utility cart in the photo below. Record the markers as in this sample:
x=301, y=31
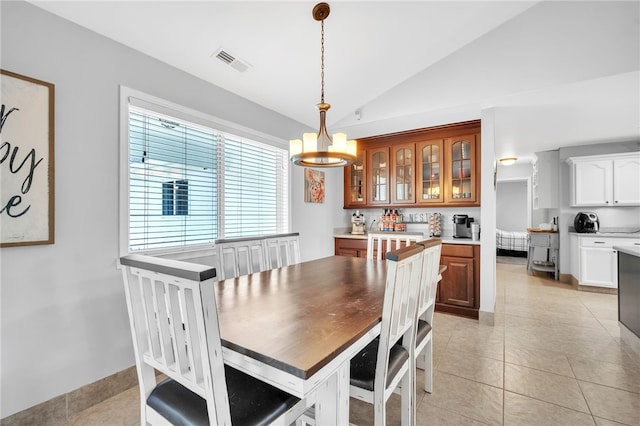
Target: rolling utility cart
x=548, y=242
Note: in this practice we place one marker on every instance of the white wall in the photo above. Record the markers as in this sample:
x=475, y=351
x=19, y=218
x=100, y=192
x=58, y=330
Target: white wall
x=488, y=218
x=512, y=206
x=316, y=222
x=523, y=171
x=63, y=314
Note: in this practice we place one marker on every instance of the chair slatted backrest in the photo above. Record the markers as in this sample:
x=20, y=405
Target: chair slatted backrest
x=430, y=273
x=174, y=324
x=241, y=256
x=282, y=250
x=399, y=311
x=394, y=241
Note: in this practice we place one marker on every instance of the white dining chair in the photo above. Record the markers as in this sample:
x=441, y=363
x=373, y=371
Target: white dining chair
x=389, y=361
x=392, y=241
x=241, y=256
x=174, y=325
x=431, y=275
x=282, y=250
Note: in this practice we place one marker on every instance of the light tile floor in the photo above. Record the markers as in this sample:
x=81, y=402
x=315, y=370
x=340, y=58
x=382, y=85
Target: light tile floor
x=555, y=356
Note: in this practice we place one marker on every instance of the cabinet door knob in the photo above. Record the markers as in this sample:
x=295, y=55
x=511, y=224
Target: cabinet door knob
x=616, y=201
x=606, y=202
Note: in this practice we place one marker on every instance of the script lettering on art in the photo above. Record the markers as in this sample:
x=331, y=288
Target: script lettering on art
x=20, y=163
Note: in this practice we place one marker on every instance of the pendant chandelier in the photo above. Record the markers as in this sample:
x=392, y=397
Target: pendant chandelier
x=320, y=150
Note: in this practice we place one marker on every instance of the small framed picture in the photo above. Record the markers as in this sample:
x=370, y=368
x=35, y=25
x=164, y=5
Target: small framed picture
x=313, y=186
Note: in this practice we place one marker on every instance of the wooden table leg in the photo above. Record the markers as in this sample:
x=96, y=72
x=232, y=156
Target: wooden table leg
x=332, y=401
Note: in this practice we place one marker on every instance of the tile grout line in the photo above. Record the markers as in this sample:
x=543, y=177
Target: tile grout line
x=580, y=387
x=504, y=354
x=551, y=403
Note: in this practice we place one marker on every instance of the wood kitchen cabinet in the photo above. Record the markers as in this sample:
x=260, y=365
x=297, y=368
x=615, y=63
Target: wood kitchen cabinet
x=352, y=247
x=378, y=176
x=403, y=180
x=429, y=178
x=432, y=166
x=459, y=290
x=355, y=192
x=461, y=170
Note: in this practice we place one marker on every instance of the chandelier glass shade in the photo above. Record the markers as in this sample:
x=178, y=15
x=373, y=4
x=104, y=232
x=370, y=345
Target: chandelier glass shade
x=320, y=149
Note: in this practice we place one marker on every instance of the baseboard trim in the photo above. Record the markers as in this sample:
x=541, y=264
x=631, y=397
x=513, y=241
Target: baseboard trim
x=64, y=406
x=486, y=318
x=594, y=289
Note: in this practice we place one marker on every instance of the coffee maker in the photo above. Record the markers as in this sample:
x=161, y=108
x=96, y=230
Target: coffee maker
x=462, y=226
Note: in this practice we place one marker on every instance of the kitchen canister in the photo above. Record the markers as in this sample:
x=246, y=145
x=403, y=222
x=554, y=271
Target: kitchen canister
x=475, y=231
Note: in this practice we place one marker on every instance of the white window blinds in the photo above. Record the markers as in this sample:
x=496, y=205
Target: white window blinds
x=190, y=184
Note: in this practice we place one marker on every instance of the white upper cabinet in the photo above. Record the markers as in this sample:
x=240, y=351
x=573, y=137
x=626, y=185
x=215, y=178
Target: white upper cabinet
x=606, y=180
x=593, y=183
x=545, y=180
x=626, y=181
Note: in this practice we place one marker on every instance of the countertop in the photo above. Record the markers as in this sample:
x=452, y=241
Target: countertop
x=445, y=239
x=617, y=232
x=635, y=235
x=632, y=249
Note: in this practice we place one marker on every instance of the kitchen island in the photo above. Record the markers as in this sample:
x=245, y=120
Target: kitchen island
x=629, y=286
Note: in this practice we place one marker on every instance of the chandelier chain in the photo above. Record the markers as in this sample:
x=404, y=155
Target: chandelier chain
x=322, y=60
x=320, y=149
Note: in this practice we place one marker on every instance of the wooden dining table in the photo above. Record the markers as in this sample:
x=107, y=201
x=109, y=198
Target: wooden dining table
x=298, y=327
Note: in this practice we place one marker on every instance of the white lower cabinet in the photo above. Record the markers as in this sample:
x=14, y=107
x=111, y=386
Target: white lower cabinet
x=597, y=261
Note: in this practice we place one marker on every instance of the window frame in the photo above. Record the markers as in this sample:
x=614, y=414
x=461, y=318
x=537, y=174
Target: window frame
x=129, y=96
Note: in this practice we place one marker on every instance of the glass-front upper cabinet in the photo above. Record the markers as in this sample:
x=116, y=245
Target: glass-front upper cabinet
x=403, y=179
x=355, y=182
x=461, y=154
x=378, y=162
x=429, y=172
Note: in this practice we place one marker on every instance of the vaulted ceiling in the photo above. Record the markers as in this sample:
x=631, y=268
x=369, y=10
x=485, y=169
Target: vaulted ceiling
x=553, y=73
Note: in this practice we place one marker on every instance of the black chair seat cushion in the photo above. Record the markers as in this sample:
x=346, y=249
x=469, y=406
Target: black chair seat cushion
x=363, y=365
x=424, y=328
x=251, y=401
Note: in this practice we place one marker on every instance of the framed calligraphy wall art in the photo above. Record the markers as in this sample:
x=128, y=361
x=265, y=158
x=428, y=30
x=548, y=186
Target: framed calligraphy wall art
x=26, y=161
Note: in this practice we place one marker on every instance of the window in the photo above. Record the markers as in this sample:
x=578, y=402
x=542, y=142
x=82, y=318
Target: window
x=175, y=198
x=190, y=182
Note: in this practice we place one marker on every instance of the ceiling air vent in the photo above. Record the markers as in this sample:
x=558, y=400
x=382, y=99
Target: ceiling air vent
x=229, y=59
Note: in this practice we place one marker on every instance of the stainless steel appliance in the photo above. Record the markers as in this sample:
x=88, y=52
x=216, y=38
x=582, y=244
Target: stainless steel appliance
x=586, y=222
x=462, y=226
